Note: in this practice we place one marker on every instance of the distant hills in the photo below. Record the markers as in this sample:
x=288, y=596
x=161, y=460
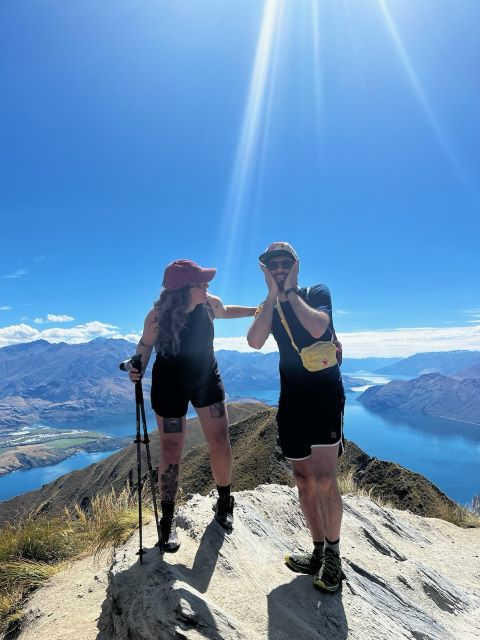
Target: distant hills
x=257, y=460
x=449, y=363
x=431, y=394
x=60, y=383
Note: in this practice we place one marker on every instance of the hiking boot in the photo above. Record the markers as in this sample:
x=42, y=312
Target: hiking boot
x=308, y=563
x=168, y=542
x=330, y=573
x=224, y=511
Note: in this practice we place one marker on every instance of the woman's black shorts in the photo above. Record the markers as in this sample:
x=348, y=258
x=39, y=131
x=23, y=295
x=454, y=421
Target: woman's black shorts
x=307, y=420
x=170, y=395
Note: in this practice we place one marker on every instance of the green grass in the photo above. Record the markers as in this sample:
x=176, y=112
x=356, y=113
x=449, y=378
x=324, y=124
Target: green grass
x=36, y=546
x=64, y=443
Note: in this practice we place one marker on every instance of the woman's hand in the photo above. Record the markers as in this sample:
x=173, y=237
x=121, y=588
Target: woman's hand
x=134, y=375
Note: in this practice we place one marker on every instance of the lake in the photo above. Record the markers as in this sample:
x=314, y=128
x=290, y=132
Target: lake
x=447, y=452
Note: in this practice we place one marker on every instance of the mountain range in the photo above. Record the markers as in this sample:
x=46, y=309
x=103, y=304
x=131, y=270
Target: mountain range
x=449, y=363
x=60, y=383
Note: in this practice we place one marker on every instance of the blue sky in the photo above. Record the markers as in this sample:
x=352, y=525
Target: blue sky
x=137, y=132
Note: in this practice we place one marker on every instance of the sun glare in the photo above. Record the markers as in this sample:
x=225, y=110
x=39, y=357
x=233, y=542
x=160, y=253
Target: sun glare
x=253, y=137
x=422, y=98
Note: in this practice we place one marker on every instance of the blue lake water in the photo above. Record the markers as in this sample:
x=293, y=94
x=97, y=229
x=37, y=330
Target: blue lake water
x=19, y=482
x=446, y=452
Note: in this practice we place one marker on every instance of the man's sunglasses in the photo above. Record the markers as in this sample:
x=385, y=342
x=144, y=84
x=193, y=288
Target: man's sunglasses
x=279, y=264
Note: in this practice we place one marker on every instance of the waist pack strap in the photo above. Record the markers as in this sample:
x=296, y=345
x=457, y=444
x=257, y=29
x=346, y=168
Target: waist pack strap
x=287, y=328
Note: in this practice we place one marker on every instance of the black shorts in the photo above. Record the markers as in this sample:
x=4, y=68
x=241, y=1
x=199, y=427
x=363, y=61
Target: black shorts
x=307, y=420
x=170, y=395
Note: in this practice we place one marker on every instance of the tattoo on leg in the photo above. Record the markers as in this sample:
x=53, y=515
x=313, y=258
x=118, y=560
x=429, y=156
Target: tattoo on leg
x=172, y=425
x=217, y=410
x=169, y=483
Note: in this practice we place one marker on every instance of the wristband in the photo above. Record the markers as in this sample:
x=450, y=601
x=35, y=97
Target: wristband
x=290, y=290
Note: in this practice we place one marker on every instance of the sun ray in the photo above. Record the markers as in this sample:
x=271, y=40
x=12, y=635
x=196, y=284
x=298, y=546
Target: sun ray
x=317, y=67
x=250, y=149
x=423, y=99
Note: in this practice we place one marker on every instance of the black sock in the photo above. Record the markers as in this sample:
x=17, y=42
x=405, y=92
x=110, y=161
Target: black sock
x=167, y=508
x=318, y=546
x=223, y=492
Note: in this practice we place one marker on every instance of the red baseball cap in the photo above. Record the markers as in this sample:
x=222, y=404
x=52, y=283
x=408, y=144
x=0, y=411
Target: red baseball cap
x=181, y=273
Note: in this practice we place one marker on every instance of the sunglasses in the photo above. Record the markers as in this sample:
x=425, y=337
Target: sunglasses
x=201, y=285
x=279, y=264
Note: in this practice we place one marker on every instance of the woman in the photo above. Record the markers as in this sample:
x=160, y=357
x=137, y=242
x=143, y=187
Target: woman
x=180, y=327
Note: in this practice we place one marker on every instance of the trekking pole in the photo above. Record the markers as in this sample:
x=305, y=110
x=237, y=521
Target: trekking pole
x=136, y=363
x=138, y=442
x=141, y=406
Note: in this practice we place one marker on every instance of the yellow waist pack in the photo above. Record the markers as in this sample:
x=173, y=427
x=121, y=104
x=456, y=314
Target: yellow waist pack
x=319, y=355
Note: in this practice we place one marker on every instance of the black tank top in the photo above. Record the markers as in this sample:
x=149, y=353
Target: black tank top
x=195, y=359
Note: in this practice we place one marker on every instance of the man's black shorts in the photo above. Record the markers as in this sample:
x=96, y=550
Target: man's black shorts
x=307, y=420
x=170, y=397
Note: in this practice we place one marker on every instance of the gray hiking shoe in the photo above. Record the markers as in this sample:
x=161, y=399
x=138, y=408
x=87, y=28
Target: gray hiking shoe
x=329, y=576
x=168, y=541
x=223, y=510
x=308, y=563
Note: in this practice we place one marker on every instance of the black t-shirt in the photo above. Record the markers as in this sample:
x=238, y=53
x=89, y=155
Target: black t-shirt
x=292, y=372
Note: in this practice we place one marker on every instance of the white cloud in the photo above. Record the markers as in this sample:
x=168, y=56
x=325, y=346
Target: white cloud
x=357, y=344
x=17, y=274
x=5, y=308
x=406, y=342
x=395, y=342
x=51, y=317
x=18, y=333
x=342, y=312
x=131, y=337
x=239, y=343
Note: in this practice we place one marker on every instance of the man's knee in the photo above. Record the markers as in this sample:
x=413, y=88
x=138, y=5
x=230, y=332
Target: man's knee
x=325, y=481
x=303, y=480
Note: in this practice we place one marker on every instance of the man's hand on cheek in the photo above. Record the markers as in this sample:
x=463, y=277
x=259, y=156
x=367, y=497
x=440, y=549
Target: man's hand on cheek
x=292, y=279
x=270, y=280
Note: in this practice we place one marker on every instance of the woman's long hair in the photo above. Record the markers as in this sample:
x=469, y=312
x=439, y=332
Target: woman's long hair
x=171, y=319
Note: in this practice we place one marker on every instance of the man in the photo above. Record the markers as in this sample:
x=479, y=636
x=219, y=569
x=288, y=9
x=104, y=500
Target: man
x=310, y=408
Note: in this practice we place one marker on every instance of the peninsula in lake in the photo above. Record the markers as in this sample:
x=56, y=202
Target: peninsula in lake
x=431, y=394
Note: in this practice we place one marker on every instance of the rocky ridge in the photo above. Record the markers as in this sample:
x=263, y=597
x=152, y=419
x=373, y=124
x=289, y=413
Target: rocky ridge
x=406, y=577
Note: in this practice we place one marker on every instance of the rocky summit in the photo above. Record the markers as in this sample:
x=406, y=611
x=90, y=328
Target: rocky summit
x=405, y=577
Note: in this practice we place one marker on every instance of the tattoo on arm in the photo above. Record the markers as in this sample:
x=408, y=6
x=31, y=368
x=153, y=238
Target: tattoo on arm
x=169, y=483
x=217, y=410
x=172, y=425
